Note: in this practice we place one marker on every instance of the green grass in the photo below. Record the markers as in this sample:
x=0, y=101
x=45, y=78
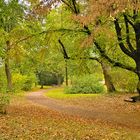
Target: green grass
x=58, y=93
x=38, y=87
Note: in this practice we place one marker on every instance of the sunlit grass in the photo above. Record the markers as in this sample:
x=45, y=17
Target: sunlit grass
x=58, y=93
x=38, y=87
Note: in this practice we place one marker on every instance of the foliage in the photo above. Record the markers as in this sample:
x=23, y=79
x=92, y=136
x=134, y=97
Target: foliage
x=4, y=101
x=33, y=34
x=86, y=84
x=23, y=82
x=124, y=80
x=30, y=80
x=48, y=78
x=58, y=93
x=3, y=86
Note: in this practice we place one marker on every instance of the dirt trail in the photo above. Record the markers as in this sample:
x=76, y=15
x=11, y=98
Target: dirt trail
x=122, y=119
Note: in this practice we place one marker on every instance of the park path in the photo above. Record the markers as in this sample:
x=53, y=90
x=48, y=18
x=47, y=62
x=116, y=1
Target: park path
x=122, y=119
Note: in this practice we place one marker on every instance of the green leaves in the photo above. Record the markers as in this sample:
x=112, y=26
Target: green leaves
x=86, y=84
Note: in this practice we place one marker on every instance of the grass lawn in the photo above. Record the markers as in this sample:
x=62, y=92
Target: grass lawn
x=58, y=93
x=38, y=87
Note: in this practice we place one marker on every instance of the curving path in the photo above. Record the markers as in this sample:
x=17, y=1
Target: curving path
x=129, y=121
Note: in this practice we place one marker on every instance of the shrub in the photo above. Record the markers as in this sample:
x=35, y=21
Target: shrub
x=124, y=80
x=3, y=82
x=4, y=101
x=48, y=78
x=85, y=84
x=30, y=79
x=18, y=81
x=22, y=82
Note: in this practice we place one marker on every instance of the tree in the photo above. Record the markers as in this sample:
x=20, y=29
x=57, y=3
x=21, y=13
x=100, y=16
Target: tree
x=75, y=9
x=125, y=15
x=10, y=15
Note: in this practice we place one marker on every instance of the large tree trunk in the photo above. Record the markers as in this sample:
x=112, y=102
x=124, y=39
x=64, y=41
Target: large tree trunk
x=8, y=75
x=138, y=73
x=7, y=67
x=107, y=77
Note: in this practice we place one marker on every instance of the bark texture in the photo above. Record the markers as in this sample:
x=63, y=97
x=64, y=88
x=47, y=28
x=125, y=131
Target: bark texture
x=107, y=77
x=7, y=67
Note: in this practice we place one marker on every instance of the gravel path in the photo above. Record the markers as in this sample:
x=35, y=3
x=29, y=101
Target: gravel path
x=122, y=119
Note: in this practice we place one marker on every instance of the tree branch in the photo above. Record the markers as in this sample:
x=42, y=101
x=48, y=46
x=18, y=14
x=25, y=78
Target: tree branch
x=66, y=3
x=129, y=21
x=65, y=54
x=119, y=36
x=128, y=34
x=113, y=62
x=63, y=50
x=49, y=31
x=75, y=7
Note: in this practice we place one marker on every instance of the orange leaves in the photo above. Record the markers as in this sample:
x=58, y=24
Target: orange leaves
x=83, y=20
x=87, y=42
x=111, y=7
x=26, y=121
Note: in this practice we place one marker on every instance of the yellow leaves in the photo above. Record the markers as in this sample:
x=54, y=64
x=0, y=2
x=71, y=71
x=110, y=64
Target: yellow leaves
x=42, y=54
x=34, y=1
x=17, y=52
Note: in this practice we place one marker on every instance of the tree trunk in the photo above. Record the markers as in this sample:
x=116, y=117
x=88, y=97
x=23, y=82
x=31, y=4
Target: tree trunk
x=41, y=82
x=41, y=86
x=107, y=77
x=138, y=73
x=8, y=76
x=59, y=80
x=7, y=68
x=66, y=72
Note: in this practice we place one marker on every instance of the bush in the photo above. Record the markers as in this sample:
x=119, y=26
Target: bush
x=48, y=78
x=30, y=80
x=22, y=82
x=4, y=101
x=85, y=84
x=3, y=82
x=18, y=81
x=124, y=80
